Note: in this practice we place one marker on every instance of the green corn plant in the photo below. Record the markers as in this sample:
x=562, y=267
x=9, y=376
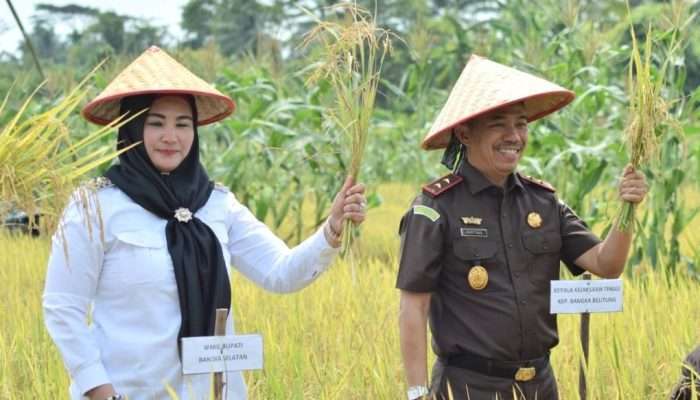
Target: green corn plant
x=291, y=179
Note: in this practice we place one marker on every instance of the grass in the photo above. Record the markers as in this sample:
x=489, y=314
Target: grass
x=338, y=339
x=30, y=366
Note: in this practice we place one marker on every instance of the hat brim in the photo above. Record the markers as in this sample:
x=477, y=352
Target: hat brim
x=105, y=110
x=440, y=139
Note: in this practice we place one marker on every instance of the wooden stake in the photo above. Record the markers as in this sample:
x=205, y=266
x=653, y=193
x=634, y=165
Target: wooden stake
x=585, y=331
x=27, y=41
x=219, y=330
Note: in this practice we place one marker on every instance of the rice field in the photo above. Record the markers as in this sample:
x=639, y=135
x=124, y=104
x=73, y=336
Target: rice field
x=338, y=339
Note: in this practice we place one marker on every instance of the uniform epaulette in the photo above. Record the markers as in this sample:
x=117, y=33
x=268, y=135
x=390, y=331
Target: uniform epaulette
x=97, y=183
x=221, y=187
x=440, y=186
x=538, y=182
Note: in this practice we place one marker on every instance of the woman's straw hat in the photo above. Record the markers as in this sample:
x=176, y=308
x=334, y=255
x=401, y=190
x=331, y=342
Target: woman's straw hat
x=154, y=71
x=485, y=85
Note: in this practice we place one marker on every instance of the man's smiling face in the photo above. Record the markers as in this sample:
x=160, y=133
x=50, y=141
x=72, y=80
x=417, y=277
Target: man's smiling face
x=496, y=141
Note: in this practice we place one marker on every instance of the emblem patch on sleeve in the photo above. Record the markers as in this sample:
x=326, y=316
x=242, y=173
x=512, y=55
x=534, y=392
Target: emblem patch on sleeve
x=426, y=212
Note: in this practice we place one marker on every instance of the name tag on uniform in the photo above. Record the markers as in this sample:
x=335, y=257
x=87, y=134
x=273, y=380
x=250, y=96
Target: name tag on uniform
x=207, y=354
x=474, y=232
x=586, y=296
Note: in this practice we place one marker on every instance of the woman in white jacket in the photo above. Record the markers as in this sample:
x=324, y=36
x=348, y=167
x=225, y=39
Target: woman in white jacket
x=145, y=253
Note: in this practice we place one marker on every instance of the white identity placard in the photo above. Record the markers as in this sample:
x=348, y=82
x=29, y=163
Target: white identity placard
x=206, y=354
x=586, y=296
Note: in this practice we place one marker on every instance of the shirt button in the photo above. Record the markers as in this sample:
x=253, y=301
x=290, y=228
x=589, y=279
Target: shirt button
x=523, y=302
x=510, y=245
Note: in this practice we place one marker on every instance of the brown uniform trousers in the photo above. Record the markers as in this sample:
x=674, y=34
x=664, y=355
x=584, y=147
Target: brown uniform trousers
x=452, y=383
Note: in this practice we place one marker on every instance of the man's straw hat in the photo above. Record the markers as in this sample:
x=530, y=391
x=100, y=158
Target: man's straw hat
x=484, y=86
x=155, y=72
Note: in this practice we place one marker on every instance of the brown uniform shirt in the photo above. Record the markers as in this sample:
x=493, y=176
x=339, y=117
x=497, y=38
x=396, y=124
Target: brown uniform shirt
x=509, y=319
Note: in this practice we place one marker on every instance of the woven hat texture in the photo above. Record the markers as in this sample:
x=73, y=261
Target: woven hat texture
x=155, y=72
x=484, y=86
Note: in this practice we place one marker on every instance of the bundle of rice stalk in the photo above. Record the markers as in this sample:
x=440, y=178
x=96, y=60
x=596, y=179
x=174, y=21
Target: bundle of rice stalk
x=39, y=163
x=353, y=54
x=648, y=111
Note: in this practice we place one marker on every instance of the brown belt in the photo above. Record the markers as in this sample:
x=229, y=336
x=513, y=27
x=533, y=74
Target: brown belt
x=522, y=371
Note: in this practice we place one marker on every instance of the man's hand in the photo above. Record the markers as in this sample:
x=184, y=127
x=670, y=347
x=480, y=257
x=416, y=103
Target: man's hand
x=607, y=259
x=633, y=186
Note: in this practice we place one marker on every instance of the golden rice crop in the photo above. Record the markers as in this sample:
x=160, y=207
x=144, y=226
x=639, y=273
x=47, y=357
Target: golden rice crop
x=40, y=163
x=648, y=110
x=339, y=340
x=353, y=51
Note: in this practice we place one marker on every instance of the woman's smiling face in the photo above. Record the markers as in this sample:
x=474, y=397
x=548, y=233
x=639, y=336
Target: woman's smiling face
x=168, y=133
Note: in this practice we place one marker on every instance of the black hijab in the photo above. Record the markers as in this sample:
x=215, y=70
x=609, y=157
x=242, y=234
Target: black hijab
x=200, y=269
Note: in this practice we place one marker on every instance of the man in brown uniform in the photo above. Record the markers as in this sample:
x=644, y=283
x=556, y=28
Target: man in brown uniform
x=690, y=377
x=480, y=246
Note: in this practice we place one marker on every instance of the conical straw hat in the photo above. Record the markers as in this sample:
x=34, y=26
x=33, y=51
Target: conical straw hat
x=485, y=85
x=154, y=71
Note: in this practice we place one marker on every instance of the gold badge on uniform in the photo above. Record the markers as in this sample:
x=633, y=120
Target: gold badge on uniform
x=534, y=220
x=525, y=374
x=471, y=221
x=478, y=277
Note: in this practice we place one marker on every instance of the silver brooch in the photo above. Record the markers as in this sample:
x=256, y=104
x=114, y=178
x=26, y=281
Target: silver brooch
x=98, y=183
x=182, y=214
x=102, y=182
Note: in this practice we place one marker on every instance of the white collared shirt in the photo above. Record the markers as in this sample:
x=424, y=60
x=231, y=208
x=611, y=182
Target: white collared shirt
x=126, y=278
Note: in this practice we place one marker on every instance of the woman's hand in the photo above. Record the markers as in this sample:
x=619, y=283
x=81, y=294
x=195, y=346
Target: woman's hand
x=100, y=392
x=349, y=204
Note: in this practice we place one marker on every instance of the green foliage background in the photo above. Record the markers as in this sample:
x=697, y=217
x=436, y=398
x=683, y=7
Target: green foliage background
x=283, y=158
x=280, y=154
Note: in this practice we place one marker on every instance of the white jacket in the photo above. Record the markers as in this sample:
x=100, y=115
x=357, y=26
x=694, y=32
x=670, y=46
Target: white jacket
x=127, y=281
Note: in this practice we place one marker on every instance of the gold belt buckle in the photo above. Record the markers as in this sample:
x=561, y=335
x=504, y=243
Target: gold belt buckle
x=525, y=374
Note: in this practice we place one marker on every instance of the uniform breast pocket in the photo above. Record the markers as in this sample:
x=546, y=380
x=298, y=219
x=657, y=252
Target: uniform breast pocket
x=472, y=252
x=543, y=250
x=138, y=257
